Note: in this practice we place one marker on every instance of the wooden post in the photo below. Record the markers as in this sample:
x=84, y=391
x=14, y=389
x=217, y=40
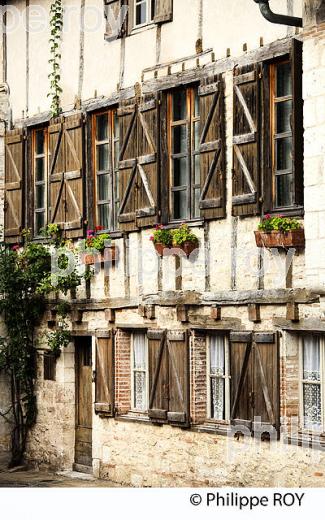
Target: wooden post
x=181, y=312
x=292, y=311
x=254, y=313
x=110, y=315
x=76, y=316
x=150, y=312
x=216, y=312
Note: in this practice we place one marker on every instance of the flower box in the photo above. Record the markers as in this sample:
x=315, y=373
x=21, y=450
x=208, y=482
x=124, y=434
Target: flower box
x=160, y=248
x=91, y=258
x=188, y=246
x=293, y=238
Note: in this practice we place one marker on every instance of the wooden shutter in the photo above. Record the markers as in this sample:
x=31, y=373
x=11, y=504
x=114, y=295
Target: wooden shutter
x=254, y=363
x=246, y=157
x=130, y=16
x=212, y=148
x=147, y=175
x=163, y=11
x=112, y=12
x=66, y=174
x=178, y=376
x=127, y=114
x=241, y=370
x=169, y=377
x=158, y=375
x=14, y=178
x=297, y=121
x=104, y=393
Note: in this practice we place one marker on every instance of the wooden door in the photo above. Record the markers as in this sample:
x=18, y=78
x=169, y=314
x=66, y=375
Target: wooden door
x=83, y=446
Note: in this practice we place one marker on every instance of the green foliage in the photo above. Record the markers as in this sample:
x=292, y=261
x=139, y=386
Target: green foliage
x=278, y=223
x=183, y=234
x=61, y=337
x=94, y=240
x=161, y=235
x=56, y=26
x=54, y=233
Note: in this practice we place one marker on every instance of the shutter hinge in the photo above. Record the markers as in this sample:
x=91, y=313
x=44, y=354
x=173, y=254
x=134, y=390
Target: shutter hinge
x=260, y=75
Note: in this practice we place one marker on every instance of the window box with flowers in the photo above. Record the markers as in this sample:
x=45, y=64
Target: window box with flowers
x=280, y=231
x=180, y=238
x=93, y=247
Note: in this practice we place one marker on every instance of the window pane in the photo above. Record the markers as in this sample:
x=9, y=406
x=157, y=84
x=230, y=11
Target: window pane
x=197, y=192
x=179, y=105
x=179, y=139
x=312, y=406
x=39, y=142
x=39, y=169
x=197, y=136
x=39, y=221
x=40, y=196
x=284, y=83
x=104, y=215
x=140, y=390
x=180, y=205
x=103, y=187
x=217, y=356
x=139, y=352
x=102, y=127
x=141, y=13
x=180, y=171
x=284, y=110
x=197, y=161
x=284, y=153
x=217, y=392
x=311, y=358
x=196, y=103
x=102, y=157
x=116, y=125
x=284, y=190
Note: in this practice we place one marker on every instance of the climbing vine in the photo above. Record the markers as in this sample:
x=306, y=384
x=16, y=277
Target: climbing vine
x=25, y=282
x=56, y=26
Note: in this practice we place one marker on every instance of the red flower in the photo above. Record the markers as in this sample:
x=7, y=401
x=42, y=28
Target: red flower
x=15, y=247
x=152, y=238
x=99, y=228
x=267, y=216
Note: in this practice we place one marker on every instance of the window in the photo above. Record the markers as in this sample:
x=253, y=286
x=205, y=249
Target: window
x=106, y=152
x=184, y=137
x=144, y=11
x=283, y=188
x=218, y=378
x=139, y=388
x=49, y=366
x=40, y=165
x=312, y=382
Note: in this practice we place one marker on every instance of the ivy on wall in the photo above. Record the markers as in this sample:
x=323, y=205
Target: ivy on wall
x=56, y=26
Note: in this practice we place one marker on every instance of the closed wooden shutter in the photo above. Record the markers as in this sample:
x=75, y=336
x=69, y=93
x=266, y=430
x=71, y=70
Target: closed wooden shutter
x=163, y=11
x=104, y=393
x=127, y=114
x=114, y=20
x=138, y=179
x=169, y=377
x=130, y=17
x=14, y=178
x=66, y=174
x=254, y=362
x=147, y=176
x=212, y=148
x=178, y=410
x=158, y=375
x=297, y=121
x=246, y=151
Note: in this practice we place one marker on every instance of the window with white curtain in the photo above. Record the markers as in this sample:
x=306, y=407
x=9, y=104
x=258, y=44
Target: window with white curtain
x=139, y=372
x=218, y=378
x=312, y=382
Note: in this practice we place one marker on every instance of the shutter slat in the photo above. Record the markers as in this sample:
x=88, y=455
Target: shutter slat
x=246, y=158
x=164, y=11
x=158, y=376
x=212, y=148
x=297, y=121
x=104, y=391
x=14, y=179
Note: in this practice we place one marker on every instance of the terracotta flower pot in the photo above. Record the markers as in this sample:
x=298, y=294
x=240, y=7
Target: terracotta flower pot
x=294, y=238
x=159, y=247
x=91, y=258
x=188, y=246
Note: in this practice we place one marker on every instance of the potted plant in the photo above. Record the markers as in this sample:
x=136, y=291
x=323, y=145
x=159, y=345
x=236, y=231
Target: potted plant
x=184, y=239
x=93, y=247
x=161, y=238
x=280, y=231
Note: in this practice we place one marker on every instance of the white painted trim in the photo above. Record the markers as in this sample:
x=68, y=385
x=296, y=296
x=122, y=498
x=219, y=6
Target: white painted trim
x=226, y=379
x=133, y=409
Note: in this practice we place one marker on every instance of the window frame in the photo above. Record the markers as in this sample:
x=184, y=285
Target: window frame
x=191, y=120
x=133, y=371
x=150, y=13
x=113, y=168
x=321, y=383
x=49, y=371
x=45, y=182
x=226, y=377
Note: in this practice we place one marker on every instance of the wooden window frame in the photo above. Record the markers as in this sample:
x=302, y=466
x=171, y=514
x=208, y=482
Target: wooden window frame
x=274, y=136
x=226, y=378
x=113, y=170
x=303, y=381
x=44, y=182
x=150, y=12
x=133, y=371
x=191, y=120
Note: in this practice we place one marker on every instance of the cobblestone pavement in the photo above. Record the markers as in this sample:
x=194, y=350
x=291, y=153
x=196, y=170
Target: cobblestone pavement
x=24, y=477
